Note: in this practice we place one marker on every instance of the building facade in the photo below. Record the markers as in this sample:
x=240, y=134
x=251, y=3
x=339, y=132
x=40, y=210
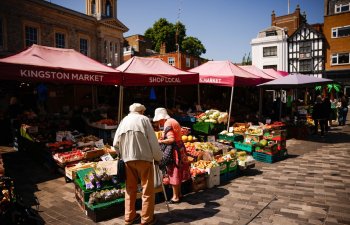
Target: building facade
x=138, y=45
x=97, y=34
x=337, y=35
x=306, y=51
x=269, y=49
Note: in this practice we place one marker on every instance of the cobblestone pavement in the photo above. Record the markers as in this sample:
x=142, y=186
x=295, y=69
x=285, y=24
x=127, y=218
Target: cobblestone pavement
x=312, y=186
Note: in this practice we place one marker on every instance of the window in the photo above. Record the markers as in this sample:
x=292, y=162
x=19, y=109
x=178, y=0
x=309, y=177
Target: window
x=270, y=67
x=270, y=51
x=84, y=46
x=195, y=63
x=1, y=34
x=93, y=7
x=340, y=58
x=342, y=7
x=108, y=9
x=188, y=62
x=305, y=65
x=305, y=47
x=60, y=40
x=171, y=61
x=31, y=35
x=271, y=33
x=341, y=32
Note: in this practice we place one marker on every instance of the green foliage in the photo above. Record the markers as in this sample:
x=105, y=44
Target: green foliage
x=193, y=46
x=163, y=31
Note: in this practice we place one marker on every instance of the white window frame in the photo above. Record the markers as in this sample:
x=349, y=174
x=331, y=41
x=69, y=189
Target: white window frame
x=268, y=49
x=171, y=61
x=195, y=63
x=188, y=62
x=334, y=31
x=338, y=7
x=336, y=56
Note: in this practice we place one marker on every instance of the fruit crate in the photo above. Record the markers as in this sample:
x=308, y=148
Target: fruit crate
x=262, y=157
x=244, y=146
x=234, y=138
x=105, y=211
x=223, y=167
x=231, y=165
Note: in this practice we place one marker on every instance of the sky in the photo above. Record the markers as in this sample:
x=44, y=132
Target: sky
x=225, y=27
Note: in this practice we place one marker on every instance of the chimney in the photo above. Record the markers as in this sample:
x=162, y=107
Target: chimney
x=297, y=10
x=162, y=49
x=273, y=17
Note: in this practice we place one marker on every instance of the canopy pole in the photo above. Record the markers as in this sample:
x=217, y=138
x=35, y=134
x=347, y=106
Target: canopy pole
x=120, y=107
x=198, y=95
x=229, y=111
x=260, y=103
x=174, y=97
x=165, y=100
x=280, y=99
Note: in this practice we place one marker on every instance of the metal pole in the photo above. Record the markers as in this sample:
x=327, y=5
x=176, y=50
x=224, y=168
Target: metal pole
x=174, y=96
x=280, y=102
x=260, y=103
x=229, y=111
x=165, y=101
x=198, y=95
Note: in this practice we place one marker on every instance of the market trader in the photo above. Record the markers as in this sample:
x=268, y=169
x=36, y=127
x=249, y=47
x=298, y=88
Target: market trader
x=138, y=146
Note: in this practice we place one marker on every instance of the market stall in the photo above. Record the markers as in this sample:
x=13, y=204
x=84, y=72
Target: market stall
x=139, y=71
x=225, y=73
x=58, y=66
x=295, y=81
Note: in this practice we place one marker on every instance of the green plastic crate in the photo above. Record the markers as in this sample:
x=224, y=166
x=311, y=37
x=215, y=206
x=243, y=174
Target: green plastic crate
x=244, y=146
x=262, y=157
x=223, y=167
x=231, y=165
x=235, y=137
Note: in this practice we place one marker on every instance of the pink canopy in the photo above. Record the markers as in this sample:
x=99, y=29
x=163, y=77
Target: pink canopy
x=139, y=71
x=258, y=72
x=41, y=63
x=224, y=73
x=275, y=73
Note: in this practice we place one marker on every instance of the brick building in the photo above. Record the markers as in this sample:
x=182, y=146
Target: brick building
x=337, y=34
x=97, y=34
x=138, y=45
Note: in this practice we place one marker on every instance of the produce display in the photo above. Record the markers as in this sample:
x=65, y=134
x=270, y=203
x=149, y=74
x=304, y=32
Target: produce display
x=108, y=122
x=203, y=164
x=213, y=116
x=106, y=195
x=67, y=157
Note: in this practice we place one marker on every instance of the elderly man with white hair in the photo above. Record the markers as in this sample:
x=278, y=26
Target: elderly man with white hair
x=138, y=146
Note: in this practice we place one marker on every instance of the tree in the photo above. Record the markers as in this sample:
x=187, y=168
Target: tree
x=164, y=32
x=193, y=46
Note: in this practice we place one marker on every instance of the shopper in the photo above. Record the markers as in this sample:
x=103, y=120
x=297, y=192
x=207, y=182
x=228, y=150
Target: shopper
x=343, y=110
x=138, y=146
x=327, y=112
x=319, y=115
x=177, y=168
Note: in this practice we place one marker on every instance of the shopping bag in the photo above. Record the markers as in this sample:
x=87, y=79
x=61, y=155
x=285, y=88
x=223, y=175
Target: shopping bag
x=157, y=176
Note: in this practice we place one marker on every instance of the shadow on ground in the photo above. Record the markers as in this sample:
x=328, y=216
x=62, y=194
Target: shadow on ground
x=209, y=197
x=27, y=173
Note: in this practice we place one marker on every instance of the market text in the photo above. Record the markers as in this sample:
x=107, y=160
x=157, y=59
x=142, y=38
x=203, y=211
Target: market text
x=61, y=75
x=164, y=79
